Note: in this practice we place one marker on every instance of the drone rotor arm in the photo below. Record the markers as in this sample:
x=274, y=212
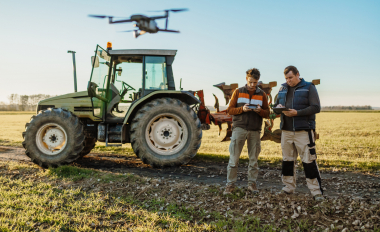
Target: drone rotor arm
x=166, y=30
x=159, y=17
x=121, y=21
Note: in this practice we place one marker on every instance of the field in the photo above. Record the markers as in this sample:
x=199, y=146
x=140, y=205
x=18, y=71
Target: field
x=348, y=141
x=77, y=198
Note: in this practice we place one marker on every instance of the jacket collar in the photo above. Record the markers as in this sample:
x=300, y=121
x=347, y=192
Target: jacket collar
x=257, y=88
x=302, y=83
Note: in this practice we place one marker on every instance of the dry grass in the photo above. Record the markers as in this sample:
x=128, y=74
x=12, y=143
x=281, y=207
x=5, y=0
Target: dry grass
x=69, y=198
x=348, y=140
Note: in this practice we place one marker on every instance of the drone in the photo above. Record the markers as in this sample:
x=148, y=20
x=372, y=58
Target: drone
x=144, y=23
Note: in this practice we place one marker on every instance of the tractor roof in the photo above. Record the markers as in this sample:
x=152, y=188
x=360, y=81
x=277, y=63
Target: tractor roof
x=153, y=52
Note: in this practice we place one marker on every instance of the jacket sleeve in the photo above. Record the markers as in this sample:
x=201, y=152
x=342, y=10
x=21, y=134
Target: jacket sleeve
x=314, y=104
x=232, y=109
x=264, y=113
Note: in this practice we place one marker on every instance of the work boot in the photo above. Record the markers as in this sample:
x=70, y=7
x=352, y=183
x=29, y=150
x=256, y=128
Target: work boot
x=253, y=188
x=319, y=198
x=229, y=189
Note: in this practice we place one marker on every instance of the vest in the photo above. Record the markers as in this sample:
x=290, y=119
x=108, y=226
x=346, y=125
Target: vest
x=300, y=101
x=251, y=121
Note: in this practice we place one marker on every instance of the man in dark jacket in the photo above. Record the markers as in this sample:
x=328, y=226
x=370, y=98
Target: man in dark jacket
x=298, y=127
x=247, y=125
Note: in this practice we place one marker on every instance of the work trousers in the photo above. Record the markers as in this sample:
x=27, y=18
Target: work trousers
x=238, y=138
x=302, y=143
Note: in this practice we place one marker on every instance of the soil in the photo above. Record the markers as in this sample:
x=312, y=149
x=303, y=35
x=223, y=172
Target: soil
x=209, y=173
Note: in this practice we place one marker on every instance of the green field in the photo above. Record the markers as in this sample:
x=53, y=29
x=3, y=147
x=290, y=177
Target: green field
x=348, y=141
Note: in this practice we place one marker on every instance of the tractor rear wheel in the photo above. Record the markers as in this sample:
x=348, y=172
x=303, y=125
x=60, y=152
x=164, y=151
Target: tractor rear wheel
x=53, y=137
x=166, y=132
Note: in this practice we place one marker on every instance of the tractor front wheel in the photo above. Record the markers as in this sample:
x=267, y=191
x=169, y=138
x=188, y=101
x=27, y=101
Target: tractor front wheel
x=53, y=138
x=166, y=132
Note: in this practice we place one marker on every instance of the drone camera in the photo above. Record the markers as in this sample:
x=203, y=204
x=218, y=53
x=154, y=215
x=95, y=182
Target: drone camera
x=136, y=34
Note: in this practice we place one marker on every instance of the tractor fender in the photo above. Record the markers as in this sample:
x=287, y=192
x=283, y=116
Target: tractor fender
x=184, y=96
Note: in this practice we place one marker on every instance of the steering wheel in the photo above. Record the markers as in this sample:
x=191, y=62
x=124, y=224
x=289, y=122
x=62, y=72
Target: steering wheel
x=126, y=89
x=128, y=86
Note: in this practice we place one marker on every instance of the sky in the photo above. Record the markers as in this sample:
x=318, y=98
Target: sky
x=336, y=41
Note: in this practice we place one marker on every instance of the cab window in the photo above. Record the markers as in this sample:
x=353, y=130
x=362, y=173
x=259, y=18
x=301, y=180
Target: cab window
x=155, y=73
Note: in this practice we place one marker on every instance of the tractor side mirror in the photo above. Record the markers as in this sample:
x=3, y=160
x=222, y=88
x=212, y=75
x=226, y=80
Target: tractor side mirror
x=119, y=70
x=95, y=61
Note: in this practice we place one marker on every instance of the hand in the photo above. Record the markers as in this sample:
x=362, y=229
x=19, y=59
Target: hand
x=280, y=106
x=290, y=113
x=258, y=110
x=245, y=108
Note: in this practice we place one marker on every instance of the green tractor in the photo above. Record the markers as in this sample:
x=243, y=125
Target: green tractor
x=160, y=122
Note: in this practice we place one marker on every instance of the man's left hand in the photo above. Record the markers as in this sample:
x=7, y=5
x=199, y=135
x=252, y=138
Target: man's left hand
x=290, y=113
x=258, y=109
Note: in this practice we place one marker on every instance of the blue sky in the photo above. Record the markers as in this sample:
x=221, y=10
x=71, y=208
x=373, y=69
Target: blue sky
x=335, y=41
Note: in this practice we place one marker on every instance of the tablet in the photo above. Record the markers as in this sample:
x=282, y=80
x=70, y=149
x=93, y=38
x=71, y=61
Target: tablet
x=280, y=109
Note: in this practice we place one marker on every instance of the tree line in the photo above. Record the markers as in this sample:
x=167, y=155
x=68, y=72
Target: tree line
x=339, y=108
x=29, y=103
x=23, y=102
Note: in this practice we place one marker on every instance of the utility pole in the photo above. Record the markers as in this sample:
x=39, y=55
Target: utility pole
x=75, y=70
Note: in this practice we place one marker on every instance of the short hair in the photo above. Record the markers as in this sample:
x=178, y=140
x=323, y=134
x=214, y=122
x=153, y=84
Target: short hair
x=254, y=73
x=291, y=68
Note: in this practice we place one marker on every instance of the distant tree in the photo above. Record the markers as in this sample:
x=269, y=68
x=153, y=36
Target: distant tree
x=24, y=102
x=13, y=99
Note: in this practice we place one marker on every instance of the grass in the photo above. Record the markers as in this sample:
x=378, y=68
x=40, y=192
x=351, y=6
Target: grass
x=49, y=200
x=349, y=141
x=69, y=198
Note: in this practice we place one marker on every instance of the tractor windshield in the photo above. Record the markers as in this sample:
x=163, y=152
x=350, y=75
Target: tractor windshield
x=128, y=75
x=99, y=76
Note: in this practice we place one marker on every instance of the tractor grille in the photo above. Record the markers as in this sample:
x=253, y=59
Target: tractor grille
x=87, y=109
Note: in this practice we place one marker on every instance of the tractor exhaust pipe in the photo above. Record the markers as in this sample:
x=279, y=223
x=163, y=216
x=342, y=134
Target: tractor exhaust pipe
x=75, y=70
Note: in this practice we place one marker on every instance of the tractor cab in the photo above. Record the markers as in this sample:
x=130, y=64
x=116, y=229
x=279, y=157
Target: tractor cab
x=124, y=76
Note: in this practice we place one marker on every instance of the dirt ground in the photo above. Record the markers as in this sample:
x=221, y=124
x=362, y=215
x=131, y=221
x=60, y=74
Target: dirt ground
x=335, y=184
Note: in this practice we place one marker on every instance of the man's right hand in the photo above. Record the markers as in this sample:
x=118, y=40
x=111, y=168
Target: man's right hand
x=245, y=108
x=280, y=106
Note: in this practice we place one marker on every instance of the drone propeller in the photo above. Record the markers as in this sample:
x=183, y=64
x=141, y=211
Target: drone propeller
x=128, y=31
x=172, y=10
x=100, y=16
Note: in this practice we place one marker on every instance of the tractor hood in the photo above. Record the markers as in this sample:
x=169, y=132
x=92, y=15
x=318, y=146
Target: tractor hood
x=65, y=96
x=78, y=103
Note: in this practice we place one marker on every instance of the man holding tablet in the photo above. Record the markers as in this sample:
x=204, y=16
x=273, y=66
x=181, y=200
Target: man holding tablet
x=248, y=107
x=298, y=102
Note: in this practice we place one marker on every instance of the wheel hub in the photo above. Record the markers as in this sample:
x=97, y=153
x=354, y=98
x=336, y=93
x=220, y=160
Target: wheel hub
x=51, y=139
x=165, y=134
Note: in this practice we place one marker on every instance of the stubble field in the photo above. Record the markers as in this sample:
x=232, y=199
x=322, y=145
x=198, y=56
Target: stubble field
x=348, y=141
x=97, y=198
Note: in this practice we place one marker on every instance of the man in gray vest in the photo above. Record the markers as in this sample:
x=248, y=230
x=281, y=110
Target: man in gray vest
x=298, y=127
x=247, y=125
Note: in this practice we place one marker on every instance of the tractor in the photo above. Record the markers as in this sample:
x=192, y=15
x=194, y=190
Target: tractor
x=160, y=122
x=164, y=125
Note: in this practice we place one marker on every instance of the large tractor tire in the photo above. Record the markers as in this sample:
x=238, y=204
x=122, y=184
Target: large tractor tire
x=89, y=144
x=166, y=132
x=53, y=137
